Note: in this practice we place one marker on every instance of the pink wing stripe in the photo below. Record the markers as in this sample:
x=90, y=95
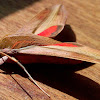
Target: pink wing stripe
x=48, y=31
x=65, y=44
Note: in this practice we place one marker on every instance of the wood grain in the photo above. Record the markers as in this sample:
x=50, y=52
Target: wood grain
x=62, y=82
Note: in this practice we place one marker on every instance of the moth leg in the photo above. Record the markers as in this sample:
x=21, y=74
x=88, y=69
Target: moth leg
x=30, y=77
x=3, y=59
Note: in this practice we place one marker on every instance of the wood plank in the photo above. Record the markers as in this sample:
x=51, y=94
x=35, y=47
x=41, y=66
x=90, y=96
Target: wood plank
x=62, y=82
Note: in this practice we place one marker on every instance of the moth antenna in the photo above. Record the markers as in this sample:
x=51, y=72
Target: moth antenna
x=30, y=77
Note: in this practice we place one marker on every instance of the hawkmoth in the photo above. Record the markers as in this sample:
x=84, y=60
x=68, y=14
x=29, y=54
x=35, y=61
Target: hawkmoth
x=37, y=38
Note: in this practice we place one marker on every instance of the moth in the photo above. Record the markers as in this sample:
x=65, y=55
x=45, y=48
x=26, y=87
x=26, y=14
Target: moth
x=37, y=38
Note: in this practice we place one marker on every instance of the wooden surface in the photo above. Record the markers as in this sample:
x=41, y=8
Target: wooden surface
x=62, y=82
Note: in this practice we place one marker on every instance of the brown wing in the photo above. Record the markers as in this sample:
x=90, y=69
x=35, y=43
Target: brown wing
x=65, y=50
x=48, y=22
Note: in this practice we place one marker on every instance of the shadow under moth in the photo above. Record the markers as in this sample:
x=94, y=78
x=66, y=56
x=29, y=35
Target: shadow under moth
x=37, y=38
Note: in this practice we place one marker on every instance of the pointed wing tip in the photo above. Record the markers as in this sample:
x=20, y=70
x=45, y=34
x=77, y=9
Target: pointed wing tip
x=58, y=6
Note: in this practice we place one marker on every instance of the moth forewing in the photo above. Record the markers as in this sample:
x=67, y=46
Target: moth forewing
x=57, y=17
x=82, y=52
x=58, y=52
x=49, y=17
x=16, y=42
x=80, y=49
